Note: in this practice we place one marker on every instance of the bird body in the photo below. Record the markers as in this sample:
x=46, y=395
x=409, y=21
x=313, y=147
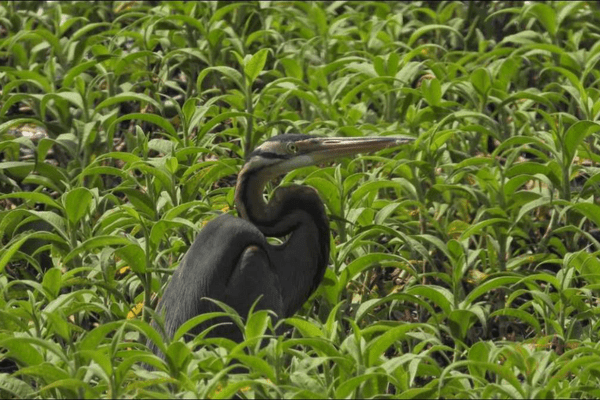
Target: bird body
x=231, y=260
x=251, y=266
x=208, y=274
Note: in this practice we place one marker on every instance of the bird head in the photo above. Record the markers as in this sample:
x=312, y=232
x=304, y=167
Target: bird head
x=284, y=153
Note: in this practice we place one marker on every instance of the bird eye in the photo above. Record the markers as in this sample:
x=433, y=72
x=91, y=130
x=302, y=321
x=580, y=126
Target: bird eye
x=292, y=148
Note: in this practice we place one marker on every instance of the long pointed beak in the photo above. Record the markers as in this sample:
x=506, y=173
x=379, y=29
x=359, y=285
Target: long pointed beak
x=324, y=149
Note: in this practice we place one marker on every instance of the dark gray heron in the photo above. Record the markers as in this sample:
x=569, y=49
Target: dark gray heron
x=231, y=260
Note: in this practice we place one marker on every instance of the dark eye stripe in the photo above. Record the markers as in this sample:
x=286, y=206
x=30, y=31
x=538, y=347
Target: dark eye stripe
x=268, y=154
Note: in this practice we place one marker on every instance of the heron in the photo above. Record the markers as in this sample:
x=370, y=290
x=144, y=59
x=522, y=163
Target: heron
x=231, y=260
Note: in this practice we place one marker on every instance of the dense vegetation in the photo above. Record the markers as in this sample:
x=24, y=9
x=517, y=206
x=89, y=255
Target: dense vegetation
x=465, y=265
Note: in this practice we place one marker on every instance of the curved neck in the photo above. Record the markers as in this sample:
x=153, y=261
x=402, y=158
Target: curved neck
x=297, y=210
x=288, y=208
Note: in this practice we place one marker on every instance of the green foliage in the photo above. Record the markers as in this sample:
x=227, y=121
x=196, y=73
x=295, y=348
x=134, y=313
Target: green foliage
x=463, y=266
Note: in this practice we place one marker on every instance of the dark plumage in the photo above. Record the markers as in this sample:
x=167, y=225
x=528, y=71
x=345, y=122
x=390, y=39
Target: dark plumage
x=231, y=260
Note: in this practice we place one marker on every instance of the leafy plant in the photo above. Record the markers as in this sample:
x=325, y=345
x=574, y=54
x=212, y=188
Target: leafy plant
x=464, y=266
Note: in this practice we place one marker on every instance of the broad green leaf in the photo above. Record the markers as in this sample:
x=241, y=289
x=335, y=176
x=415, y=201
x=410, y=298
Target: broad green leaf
x=480, y=226
x=134, y=256
x=575, y=135
x=177, y=354
x=347, y=387
x=519, y=314
x=255, y=65
x=489, y=285
x=195, y=321
x=292, y=69
x=546, y=15
x=129, y=96
x=460, y=321
x=21, y=350
x=220, y=13
x=77, y=203
x=432, y=91
x=232, y=388
x=96, y=242
x=306, y=328
x=229, y=72
x=141, y=201
x=258, y=365
x=322, y=346
x=69, y=384
x=153, y=118
x=10, y=251
x=480, y=78
x=501, y=370
x=440, y=296
x=76, y=71
x=52, y=281
x=26, y=349
x=72, y=97
x=59, y=324
x=430, y=27
x=480, y=351
x=16, y=387
x=257, y=324
x=377, y=347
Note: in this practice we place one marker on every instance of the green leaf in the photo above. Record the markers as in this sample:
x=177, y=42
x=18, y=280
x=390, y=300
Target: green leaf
x=77, y=203
x=519, y=314
x=59, y=324
x=344, y=390
x=440, y=296
x=377, y=347
x=430, y=27
x=72, y=97
x=177, y=354
x=195, y=321
x=321, y=346
x=16, y=387
x=153, y=118
x=141, y=201
x=20, y=349
x=488, y=286
x=477, y=228
x=364, y=262
x=95, y=242
x=52, y=281
x=128, y=96
x=69, y=384
x=257, y=324
x=6, y=255
x=258, y=365
x=502, y=371
x=134, y=256
x=306, y=328
x=546, y=15
x=160, y=228
x=480, y=78
x=229, y=72
x=93, y=338
x=76, y=71
x=292, y=68
x=319, y=18
x=255, y=65
x=460, y=321
x=232, y=388
x=220, y=13
x=374, y=186
x=432, y=91
x=480, y=351
x=575, y=135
